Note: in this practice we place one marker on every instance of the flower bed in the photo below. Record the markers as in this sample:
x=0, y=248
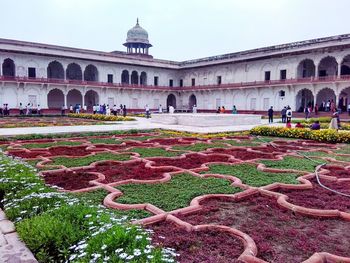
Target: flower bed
x=59, y=227
x=197, y=246
x=243, y=154
x=69, y=180
x=320, y=198
x=325, y=135
x=100, y=117
x=280, y=235
x=191, y=161
x=339, y=172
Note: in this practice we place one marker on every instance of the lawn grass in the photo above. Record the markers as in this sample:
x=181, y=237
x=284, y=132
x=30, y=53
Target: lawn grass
x=96, y=198
x=252, y=176
x=342, y=158
x=317, y=154
x=50, y=144
x=84, y=161
x=154, y=152
x=175, y=194
x=344, y=149
x=295, y=163
x=105, y=141
x=198, y=147
x=140, y=138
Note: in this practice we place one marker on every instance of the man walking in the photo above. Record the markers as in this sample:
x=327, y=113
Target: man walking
x=270, y=114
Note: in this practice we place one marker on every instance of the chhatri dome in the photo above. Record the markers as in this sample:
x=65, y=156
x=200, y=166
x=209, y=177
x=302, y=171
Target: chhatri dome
x=137, y=41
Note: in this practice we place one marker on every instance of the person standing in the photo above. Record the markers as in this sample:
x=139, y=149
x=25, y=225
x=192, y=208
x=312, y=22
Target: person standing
x=194, y=109
x=349, y=109
x=270, y=114
x=124, y=111
x=316, y=109
x=284, y=115
x=39, y=109
x=289, y=114
x=63, y=110
x=160, y=109
x=114, y=110
x=307, y=113
x=234, y=109
x=147, y=111
x=21, y=112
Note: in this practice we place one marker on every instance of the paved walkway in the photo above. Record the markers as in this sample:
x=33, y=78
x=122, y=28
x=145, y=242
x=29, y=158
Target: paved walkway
x=139, y=124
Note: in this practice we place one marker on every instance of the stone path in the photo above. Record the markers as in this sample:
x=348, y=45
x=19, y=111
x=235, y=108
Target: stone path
x=12, y=250
x=139, y=124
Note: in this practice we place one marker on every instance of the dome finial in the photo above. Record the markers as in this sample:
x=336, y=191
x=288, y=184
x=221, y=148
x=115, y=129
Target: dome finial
x=137, y=21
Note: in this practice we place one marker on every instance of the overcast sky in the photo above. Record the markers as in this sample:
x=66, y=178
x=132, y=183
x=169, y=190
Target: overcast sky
x=178, y=29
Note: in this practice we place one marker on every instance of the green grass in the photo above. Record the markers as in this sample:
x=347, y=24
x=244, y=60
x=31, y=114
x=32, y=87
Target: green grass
x=317, y=154
x=177, y=193
x=344, y=149
x=61, y=227
x=153, y=152
x=50, y=144
x=198, y=147
x=84, y=161
x=295, y=163
x=343, y=158
x=105, y=141
x=251, y=176
x=237, y=143
x=96, y=198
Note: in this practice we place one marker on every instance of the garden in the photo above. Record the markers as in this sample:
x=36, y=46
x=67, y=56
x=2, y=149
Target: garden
x=165, y=196
x=70, y=120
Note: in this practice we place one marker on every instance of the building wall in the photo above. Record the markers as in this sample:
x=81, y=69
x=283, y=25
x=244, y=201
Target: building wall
x=257, y=98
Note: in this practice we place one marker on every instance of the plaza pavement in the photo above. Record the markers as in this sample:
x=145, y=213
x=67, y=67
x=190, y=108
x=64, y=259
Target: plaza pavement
x=139, y=124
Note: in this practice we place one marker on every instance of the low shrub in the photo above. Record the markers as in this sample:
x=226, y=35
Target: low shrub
x=100, y=117
x=324, y=135
x=63, y=227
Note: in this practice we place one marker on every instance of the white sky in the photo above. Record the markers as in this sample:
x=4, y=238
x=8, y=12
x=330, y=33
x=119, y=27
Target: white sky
x=178, y=29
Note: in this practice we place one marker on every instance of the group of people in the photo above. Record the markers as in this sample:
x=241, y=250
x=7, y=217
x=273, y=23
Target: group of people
x=97, y=109
x=29, y=109
x=286, y=114
x=5, y=110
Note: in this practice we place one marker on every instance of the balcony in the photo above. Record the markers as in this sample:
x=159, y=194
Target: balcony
x=240, y=85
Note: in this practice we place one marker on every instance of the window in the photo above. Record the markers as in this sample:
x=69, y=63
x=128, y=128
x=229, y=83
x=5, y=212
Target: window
x=322, y=73
x=193, y=82
x=32, y=100
x=31, y=73
x=253, y=103
x=110, y=78
x=110, y=102
x=266, y=103
x=218, y=80
x=267, y=75
x=171, y=82
x=155, y=81
x=181, y=82
x=282, y=93
x=218, y=103
x=156, y=103
x=283, y=74
x=135, y=103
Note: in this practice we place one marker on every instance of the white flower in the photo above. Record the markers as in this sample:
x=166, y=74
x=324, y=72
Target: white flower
x=118, y=250
x=130, y=257
x=150, y=256
x=123, y=255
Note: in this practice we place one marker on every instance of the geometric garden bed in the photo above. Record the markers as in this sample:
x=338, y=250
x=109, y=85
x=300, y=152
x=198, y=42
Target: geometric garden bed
x=211, y=200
